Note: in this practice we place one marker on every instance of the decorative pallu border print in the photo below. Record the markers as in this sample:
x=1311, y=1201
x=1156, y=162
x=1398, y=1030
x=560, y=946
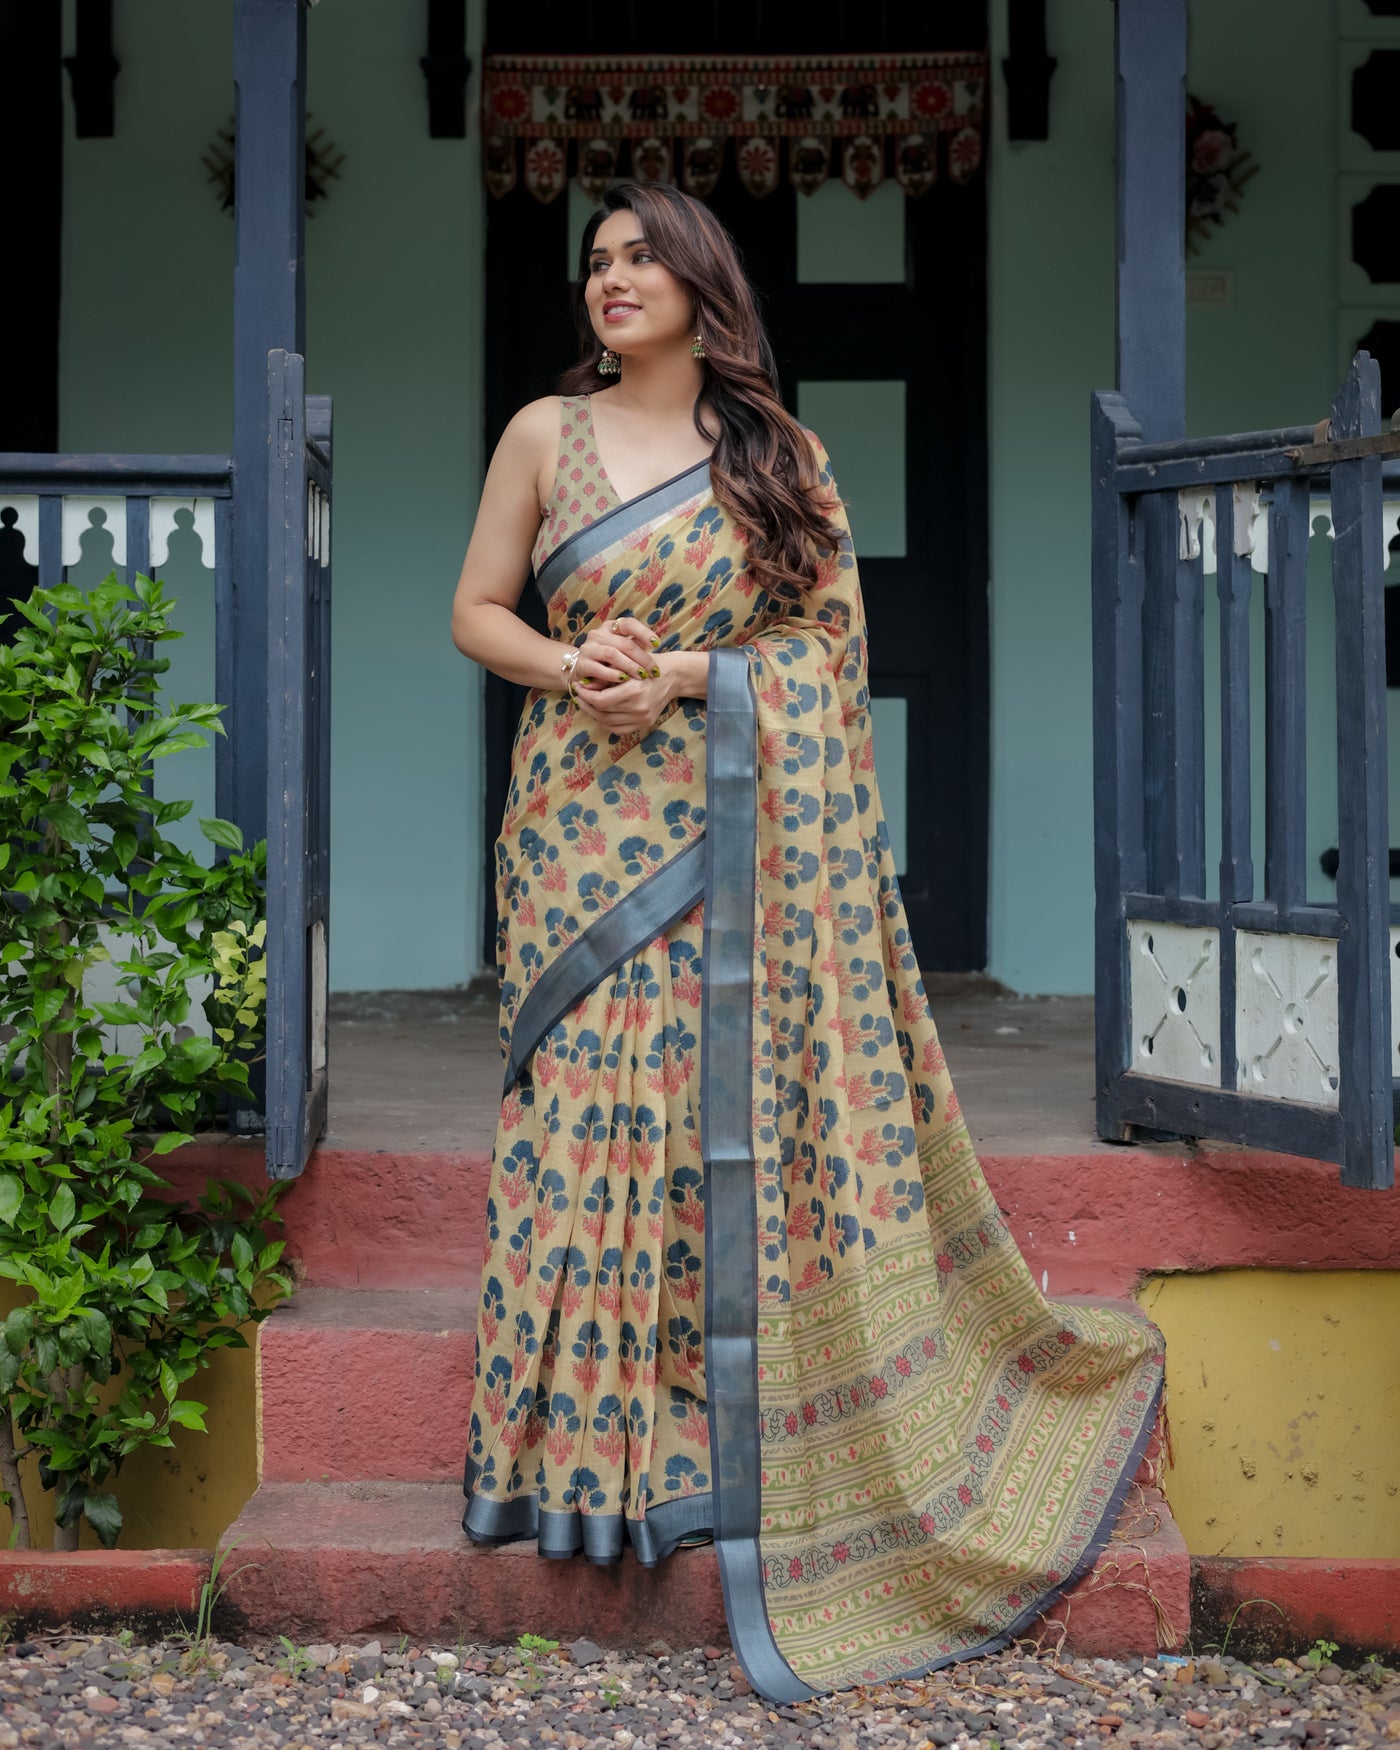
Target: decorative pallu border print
x=857, y=117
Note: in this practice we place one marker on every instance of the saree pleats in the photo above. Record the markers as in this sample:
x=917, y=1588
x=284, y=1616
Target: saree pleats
x=743, y=1272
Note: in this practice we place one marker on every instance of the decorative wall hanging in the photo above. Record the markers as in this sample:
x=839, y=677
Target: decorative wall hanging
x=323, y=160
x=1216, y=171
x=855, y=118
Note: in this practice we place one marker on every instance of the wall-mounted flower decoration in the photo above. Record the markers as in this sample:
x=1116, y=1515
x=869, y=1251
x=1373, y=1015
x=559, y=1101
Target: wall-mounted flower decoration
x=1216, y=171
x=323, y=161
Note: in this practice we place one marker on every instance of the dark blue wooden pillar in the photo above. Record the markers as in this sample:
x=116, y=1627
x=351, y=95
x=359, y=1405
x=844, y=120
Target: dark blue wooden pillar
x=269, y=310
x=1150, y=57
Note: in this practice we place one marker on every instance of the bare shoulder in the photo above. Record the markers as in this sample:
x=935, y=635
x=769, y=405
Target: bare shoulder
x=534, y=428
x=528, y=448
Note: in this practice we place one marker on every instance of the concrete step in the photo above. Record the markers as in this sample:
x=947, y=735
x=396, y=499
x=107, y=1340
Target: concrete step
x=339, y=1561
x=364, y=1385
x=357, y=1219
x=357, y=1384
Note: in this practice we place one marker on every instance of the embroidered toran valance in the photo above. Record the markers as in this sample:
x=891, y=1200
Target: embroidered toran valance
x=857, y=117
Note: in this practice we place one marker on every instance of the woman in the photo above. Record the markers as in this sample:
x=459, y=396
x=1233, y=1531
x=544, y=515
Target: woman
x=743, y=1273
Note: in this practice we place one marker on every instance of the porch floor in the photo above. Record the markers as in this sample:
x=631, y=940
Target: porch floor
x=419, y=1071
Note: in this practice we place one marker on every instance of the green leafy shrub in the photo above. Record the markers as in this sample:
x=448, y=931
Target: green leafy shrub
x=126, y=1293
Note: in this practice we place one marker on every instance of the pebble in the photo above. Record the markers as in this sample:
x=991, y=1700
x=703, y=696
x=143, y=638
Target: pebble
x=71, y=1691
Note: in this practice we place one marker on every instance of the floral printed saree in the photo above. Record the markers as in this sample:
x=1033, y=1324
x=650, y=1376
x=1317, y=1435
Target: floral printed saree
x=743, y=1272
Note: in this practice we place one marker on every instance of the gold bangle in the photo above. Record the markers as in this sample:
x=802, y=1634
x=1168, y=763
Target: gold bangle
x=568, y=663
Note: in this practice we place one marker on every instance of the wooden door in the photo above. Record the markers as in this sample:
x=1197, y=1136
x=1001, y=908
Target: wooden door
x=889, y=370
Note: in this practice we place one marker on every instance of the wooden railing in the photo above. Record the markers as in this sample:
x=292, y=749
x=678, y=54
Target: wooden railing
x=298, y=758
x=45, y=506
x=1253, y=1015
x=46, y=503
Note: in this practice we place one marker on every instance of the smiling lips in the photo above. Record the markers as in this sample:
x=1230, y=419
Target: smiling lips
x=616, y=310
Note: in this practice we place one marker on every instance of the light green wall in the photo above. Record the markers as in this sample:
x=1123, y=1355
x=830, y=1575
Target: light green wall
x=1268, y=357
x=394, y=334
x=1050, y=277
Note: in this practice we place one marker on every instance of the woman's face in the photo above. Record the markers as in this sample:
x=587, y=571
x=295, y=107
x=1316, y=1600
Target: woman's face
x=634, y=303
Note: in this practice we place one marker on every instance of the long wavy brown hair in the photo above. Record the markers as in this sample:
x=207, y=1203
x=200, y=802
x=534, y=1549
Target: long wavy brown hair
x=762, y=467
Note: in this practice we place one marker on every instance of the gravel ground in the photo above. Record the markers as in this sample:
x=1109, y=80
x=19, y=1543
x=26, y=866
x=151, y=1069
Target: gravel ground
x=70, y=1690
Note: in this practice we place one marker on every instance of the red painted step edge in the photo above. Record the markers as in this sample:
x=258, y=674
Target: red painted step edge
x=364, y=1384
x=351, y=1559
x=1355, y=1603
x=45, y=1587
x=361, y=1220
x=1087, y=1224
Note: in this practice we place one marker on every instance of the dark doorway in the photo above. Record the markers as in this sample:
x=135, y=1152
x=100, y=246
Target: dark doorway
x=918, y=338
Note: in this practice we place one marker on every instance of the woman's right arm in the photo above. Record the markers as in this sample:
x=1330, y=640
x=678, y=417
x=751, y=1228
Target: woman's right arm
x=485, y=624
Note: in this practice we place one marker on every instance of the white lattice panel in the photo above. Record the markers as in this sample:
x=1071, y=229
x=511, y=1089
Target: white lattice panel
x=166, y=520
x=25, y=522
x=318, y=524
x=1394, y=1005
x=77, y=524
x=1196, y=523
x=1322, y=523
x=1174, y=995
x=1286, y=1017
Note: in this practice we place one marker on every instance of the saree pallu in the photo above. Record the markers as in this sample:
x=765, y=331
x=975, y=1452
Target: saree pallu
x=742, y=1270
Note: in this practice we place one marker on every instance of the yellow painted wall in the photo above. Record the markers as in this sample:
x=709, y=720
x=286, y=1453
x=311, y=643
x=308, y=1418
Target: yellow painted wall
x=182, y=1496
x=1284, y=1398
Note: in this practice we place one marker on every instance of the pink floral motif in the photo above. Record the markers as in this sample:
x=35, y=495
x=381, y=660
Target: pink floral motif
x=719, y=103
x=510, y=102
x=931, y=99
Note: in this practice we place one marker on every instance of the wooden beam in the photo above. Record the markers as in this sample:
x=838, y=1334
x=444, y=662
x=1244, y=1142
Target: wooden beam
x=31, y=144
x=269, y=310
x=446, y=68
x=1150, y=57
x=1363, y=870
x=92, y=71
x=1028, y=69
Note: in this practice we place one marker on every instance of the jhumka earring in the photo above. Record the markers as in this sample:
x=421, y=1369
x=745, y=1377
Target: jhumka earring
x=697, y=346
x=610, y=364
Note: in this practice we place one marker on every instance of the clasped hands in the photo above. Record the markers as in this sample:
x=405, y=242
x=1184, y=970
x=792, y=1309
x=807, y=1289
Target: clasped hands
x=619, y=680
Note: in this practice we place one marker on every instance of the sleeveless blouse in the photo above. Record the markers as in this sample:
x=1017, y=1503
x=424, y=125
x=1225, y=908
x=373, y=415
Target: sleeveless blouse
x=581, y=488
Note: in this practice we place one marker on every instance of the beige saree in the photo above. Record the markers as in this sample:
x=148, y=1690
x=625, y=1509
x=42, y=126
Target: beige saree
x=743, y=1272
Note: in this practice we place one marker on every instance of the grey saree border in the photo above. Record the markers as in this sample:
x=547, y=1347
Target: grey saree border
x=563, y=1533
x=589, y=541
x=652, y=906
x=727, y=1153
